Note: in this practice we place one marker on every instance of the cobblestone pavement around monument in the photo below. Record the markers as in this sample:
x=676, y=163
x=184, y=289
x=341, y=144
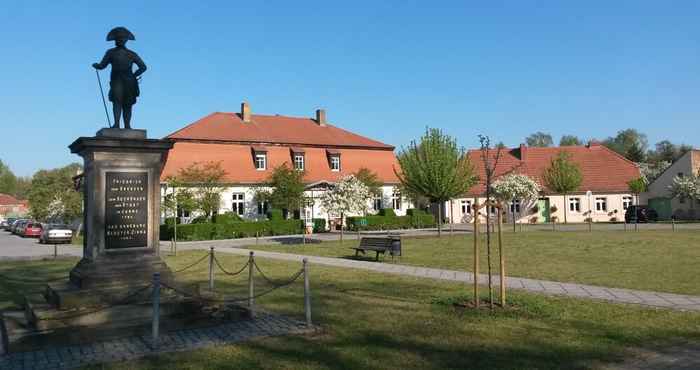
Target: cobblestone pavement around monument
x=264, y=325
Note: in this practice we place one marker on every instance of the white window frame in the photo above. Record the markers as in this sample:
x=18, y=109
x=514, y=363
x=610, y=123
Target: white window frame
x=515, y=206
x=263, y=207
x=299, y=161
x=377, y=202
x=261, y=159
x=466, y=207
x=627, y=201
x=335, y=163
x=601, y=204
x=238, y=203
x=574, y=204
x=396, y=200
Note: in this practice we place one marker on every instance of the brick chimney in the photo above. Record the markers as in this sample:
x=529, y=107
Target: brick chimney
x=245, y=112
x=523, y=152
x=321, y=117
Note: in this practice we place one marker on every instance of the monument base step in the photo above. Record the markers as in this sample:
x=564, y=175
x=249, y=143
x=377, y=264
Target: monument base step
x=20, y=334
x=67, y=296
x=134, y=269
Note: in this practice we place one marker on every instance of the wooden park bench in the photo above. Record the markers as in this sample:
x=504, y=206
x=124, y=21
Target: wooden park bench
x=380, y=245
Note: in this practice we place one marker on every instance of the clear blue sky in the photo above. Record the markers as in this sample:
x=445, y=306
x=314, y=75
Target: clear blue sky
x=382, y=69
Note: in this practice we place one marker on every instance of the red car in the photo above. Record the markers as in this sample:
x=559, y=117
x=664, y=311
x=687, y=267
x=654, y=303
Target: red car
x=32, y=230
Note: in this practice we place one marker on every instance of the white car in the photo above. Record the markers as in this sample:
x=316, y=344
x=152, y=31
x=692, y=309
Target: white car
x=56, y=234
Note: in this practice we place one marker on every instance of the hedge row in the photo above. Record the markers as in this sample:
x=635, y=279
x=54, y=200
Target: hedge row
x=230, y=230
x=416, y=219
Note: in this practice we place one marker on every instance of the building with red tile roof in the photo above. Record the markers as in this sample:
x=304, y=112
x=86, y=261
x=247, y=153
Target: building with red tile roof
x=249, y=146
x=12, y=207
x=605, y=174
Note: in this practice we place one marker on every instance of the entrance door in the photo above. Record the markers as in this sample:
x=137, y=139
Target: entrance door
x=543, y=212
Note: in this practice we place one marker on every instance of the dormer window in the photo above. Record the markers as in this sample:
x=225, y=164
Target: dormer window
x=333, y=159
x=259, y=157
x=261, y=161
x=299, y=162
x=298, y=158
x=335, y=163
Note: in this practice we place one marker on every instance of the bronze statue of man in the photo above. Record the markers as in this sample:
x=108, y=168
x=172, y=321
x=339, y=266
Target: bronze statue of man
x=124, y=86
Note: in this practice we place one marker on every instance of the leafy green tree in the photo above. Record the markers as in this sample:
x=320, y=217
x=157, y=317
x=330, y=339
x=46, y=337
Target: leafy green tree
x=539, y=139
x=205, y=182
x=638, y=186
x=8, y=180
x=570, y=140
x=23, y=184
x=179, y=197
x=435, y=168
x=52, y=196
x=370, y=179
x=635, y=153
x=624, y=142
x=284, y=188
x=563, y=176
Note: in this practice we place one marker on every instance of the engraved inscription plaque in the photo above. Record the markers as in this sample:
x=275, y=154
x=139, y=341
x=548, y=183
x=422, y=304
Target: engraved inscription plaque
x=126, y=210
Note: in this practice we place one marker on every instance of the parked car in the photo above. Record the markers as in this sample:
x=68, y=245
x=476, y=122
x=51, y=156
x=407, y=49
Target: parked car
x=640, y=214
x=32, y=230
x=4, y=224
x=10, y=221
x=56, y=234
x=18, y=226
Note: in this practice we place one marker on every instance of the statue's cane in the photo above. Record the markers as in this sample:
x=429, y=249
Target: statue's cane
x=104, y=102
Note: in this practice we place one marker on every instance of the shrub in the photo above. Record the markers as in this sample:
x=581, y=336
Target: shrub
x=227, y=217
x=200, y=220
x=235, y=229
x=319, y=225
x=275, y=214
x=388, y=212
x=390, y=222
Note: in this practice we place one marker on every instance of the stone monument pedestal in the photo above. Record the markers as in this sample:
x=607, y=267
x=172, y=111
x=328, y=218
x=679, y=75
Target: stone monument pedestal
x=121, y=189
x=122, y=208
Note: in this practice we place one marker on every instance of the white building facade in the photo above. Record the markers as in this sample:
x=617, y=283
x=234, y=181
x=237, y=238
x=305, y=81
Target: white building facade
x=603, y=196
x=249, y=147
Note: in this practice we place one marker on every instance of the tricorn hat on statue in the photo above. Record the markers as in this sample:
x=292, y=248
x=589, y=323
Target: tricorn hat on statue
x=120, y=33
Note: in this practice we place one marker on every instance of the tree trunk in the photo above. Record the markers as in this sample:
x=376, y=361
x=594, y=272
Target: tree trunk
x=439, y=219
x=566, y=206
x=513, y=212
x=341, y=228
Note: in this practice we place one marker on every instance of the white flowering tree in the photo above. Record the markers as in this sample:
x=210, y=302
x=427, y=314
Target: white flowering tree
x=349, y=195
x=512, y=187
x=686, y=187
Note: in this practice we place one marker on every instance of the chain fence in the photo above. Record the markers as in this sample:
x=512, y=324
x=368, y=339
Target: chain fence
x=154, y=287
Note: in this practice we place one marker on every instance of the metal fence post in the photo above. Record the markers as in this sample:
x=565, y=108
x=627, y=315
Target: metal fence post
x=156, y=310
x=55, y=251
x=251, y=284
x=307, y=293
x=211, y=269
x=673, y=224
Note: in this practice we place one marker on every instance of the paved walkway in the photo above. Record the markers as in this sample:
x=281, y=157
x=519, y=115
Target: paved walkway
x=264, y=325
x=617, y=295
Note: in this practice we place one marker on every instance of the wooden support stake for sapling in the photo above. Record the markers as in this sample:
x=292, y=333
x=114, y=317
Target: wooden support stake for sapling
x=476, y=254
x=502, y=261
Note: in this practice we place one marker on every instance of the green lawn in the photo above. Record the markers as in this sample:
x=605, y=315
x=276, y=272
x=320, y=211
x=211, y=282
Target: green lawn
x=378, y=321
x=645, y=260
